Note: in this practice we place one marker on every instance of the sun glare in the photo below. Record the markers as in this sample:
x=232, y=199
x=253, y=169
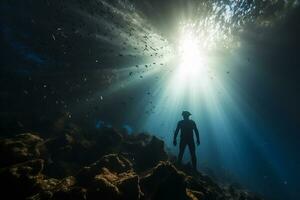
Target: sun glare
x=192, y=66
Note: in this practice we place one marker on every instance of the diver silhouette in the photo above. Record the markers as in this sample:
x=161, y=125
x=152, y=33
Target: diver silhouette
x=186, y=127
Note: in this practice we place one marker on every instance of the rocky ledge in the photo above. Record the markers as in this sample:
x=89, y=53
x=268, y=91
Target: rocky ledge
x=105, y=165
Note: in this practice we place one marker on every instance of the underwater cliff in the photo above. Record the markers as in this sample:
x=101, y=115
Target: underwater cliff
x=106, y=164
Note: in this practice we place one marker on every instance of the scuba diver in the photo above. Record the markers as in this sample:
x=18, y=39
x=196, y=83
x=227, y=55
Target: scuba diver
x=187, y=126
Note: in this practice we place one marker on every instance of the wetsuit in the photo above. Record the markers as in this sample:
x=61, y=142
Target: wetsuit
x=187, y=127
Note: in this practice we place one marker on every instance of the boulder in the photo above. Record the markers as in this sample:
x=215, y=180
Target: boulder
x=112, y=185
x=113, y=162
x=22, y=180
x=129, y=187
x=108, y=140
x=21, y=148
x=164, y=182
x=58, y=189
x=65, y=155
x=145, y=151
x=103, y=188
x=111, y=177
x=66, y=188
x=60, y=147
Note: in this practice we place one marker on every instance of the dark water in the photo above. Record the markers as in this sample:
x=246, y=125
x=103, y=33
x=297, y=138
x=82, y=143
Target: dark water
x=116, y=63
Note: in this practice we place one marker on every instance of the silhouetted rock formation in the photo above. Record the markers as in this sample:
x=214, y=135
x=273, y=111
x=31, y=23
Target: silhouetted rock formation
x=20, y=148
x=164, y=182
x=104, y=165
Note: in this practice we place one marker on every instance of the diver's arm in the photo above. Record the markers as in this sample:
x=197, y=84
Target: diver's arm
x=197, y=134
x=175, y=134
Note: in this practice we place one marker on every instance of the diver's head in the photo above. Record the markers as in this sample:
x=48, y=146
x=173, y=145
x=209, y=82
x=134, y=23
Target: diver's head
x=186, y=114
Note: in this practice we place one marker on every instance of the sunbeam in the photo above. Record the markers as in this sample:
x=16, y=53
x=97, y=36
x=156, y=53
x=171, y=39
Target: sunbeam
x=137, y=64
x=192, y=66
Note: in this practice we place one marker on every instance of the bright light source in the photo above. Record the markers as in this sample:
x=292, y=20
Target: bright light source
x=192, y=65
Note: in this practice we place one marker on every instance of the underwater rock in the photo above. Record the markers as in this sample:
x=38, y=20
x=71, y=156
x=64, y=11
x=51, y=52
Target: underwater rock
x=66, y=155
x=164, y=182
x=124, y=167
x=67, y=189
x=112, y=185
x=109, y=138
x=205, y=185
x=21, y=148
x=59, y=189
x=111, y=177
x=74, y=193
x=194, y=195
x=146, y=151
x=115, y=163
x=61, y=147
x=22, y=179
x=129, y=187
x=101, y=187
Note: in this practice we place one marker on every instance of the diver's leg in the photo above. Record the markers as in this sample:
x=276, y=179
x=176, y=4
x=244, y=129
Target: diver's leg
x=193, y=154
x=181, y=151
